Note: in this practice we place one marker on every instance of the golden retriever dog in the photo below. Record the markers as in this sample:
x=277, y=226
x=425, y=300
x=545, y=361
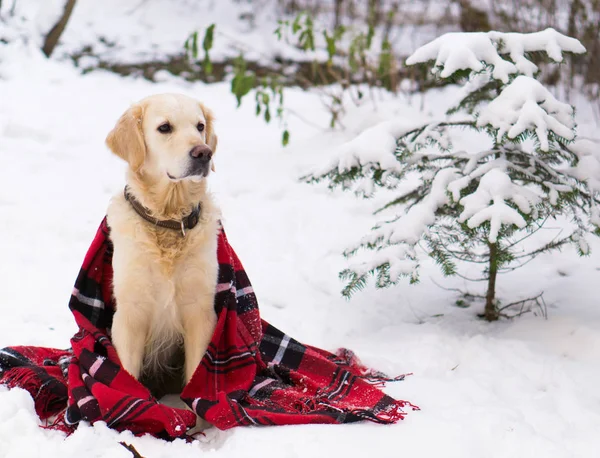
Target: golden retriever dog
x=165, y=266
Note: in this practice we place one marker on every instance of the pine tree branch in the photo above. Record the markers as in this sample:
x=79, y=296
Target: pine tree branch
x=530, y=234
x=463, y=259
x=418, y=131
x=548, y=247
x=466, y=256
x=416, y=194
x=456, y=290
x=464, y=277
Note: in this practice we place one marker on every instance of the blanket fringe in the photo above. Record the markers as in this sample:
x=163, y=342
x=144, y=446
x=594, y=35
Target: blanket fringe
x=58, y=423
x=348, y=358
x=392, y=414
x=388, y=415
x=45, y=401
x=379, y=379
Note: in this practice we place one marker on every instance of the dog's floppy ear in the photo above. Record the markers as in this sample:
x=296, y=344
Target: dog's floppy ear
x=211, y=138
x=126, y=139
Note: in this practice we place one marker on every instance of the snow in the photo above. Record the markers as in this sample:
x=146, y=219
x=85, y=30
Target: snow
x=143, y=30
x=474, y=51
x=411, y=227
x=495, y=186
x=373, y=148
x=588, y=169
x=524, y=104
x=405, y=233
x=460, y=51
x=519, y=388
x=549, y=41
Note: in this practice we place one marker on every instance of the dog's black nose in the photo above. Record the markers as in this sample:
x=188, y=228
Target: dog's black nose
x=201, y=152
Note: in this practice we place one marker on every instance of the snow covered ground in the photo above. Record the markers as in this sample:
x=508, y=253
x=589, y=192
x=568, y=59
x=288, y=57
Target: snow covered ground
x=509, y=389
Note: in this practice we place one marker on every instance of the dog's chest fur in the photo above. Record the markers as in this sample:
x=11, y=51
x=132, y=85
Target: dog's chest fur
x=170, y=273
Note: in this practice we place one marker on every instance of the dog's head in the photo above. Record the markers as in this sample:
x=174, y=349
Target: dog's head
x=167, y=136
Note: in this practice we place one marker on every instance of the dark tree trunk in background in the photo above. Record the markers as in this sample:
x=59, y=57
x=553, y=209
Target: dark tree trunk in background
x=291, y=7
x=350, y=9
x=473, y=19
x=53, y=36
x=389, y=20
x=338, y=13
x=374, y=12
x=491, y=311
x=572, y=32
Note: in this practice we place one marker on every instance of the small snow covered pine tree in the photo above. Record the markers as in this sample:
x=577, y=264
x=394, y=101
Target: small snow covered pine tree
x=482, y=204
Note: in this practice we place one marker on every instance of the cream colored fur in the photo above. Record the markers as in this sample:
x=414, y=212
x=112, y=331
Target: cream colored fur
x=164, y=283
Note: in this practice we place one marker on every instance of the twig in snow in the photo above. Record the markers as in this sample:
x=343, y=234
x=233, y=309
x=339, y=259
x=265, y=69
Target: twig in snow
x=456, y=290
x=532, y=301
x=132, y=449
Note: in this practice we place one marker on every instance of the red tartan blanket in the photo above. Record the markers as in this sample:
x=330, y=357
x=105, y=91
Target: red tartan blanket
x=252, y=373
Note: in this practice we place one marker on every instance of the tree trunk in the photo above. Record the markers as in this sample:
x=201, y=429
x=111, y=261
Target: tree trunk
x=491, y=312
x=291, y=7
x=55, y=32
x=473, y=19
x=572, y=32
x=350, y=10
x=373, y=13
x=389, y=21
x=338, y=13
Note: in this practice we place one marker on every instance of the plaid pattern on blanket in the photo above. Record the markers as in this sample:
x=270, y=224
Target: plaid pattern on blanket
x=251, y=374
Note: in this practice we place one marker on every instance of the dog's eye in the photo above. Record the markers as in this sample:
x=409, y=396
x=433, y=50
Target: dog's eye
x=200, y=127
x=165, y=128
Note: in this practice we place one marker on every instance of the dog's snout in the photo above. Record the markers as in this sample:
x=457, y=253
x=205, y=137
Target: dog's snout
x=201, y=152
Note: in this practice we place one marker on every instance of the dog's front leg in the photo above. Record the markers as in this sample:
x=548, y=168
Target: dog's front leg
x=135, y=304
x=199, y=320
x=135, y=292
x=129, y=335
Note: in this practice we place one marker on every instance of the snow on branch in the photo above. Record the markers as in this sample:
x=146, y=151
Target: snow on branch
x=526, y=104
x=462, y=51
x=475, y=51
x=375, y=145
x=400, y=260
x=550, y=41
x=411, y=226
x=372, y=150
x=497, y=187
